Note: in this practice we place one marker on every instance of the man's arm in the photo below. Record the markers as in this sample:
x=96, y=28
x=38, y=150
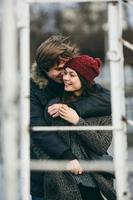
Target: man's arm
x=50, y=143
x=94, y=105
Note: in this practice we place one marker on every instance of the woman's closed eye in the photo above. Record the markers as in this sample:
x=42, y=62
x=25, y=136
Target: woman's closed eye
x=71, y=74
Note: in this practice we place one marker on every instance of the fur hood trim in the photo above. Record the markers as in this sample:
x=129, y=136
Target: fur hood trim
x=42, y=82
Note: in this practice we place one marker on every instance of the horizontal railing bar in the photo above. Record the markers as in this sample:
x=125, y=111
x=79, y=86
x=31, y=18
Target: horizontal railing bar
x=130, y=122
x=64, y=1
x=73, y=128
x=128, y=45
x=58, y=165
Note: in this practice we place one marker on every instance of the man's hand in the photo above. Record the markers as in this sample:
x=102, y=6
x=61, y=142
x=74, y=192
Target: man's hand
x=53, y=110
x=75, y=167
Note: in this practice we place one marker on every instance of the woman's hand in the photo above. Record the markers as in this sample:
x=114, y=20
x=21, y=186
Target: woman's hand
x=68, y=114
x=75, y=167
x=64, y=112
x=53, y=110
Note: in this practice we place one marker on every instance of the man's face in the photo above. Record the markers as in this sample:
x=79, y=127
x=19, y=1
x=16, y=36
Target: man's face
x=56, y=72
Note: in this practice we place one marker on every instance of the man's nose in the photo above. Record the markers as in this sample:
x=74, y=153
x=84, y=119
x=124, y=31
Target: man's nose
x=62, y=72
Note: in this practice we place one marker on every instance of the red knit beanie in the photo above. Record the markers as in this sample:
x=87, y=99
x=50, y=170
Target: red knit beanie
x=88, y=67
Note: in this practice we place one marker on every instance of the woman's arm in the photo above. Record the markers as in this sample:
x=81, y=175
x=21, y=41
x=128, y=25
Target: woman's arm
x=97, y=141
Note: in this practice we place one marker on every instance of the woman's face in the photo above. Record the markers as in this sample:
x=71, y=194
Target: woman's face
x=72, y=82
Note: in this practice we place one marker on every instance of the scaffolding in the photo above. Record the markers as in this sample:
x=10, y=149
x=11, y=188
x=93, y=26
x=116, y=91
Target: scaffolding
x=14, y=22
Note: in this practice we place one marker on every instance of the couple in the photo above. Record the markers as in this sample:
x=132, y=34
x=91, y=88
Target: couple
x=79, y=101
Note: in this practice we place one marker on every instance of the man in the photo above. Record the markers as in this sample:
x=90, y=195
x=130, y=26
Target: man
x=46, y=84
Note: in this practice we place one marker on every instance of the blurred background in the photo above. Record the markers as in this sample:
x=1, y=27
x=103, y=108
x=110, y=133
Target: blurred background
x=86, y=25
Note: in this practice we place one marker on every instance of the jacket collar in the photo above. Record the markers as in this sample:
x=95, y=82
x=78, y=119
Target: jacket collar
x=45, y=81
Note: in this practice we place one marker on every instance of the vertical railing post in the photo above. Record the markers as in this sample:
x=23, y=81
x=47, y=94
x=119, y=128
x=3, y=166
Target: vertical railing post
x=23, y=25
x=118, y=107
x=9, y=99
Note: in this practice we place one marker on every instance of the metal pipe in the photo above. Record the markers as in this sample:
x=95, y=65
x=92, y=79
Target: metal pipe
x=127, y=121
x=9, y=105
x=58, y=165
x=128, y=45
x=23, y=24
x=53, y=165
x=63, y=1
x=117, y=97
x=73, y=128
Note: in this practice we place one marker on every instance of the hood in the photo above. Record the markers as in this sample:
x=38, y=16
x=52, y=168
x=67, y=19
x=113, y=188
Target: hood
x=41, y=81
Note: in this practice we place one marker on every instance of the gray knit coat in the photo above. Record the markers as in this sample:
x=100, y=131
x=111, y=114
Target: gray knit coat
x=84, y=145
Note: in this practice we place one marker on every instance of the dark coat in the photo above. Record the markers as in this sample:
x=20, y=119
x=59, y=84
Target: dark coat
x=88, y=106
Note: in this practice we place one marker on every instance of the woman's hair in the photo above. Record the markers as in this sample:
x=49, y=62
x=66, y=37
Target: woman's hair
x=87, y=89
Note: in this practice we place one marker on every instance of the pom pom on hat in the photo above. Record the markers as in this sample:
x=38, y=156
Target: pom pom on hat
x=88, y=67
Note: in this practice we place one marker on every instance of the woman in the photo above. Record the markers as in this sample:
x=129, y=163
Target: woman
x=78, y=80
